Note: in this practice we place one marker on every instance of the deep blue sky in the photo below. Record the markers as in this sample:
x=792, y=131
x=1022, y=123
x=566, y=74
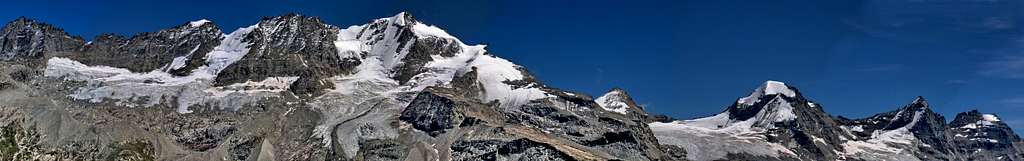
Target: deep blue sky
x=682, y=58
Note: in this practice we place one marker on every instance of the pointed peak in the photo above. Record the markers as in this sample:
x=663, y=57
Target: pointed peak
x=769, y=87
x=919, y=101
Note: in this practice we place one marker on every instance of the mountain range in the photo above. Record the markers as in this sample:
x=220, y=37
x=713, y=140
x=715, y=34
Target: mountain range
x=293, y=87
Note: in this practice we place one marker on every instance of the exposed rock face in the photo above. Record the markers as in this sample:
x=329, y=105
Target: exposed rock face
x=27, y=41
x=291, y=45
x=432, y=113
x=177, y=50
x=980, y=136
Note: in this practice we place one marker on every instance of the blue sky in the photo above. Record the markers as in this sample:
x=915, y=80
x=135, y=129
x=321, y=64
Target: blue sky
x=682, y=58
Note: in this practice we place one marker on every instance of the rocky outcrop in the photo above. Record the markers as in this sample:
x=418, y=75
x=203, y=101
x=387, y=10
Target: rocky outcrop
x=432, y=113
x=27, y=41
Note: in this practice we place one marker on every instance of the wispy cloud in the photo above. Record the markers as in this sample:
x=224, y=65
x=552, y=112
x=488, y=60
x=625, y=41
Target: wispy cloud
x=1016, y=101
x=1010, y=66
x=882, y=68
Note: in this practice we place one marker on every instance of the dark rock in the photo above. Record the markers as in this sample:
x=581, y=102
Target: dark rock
x=27, y=41
x=382, y=149
x=517, y=149
x=432, y=113
x=151, y=51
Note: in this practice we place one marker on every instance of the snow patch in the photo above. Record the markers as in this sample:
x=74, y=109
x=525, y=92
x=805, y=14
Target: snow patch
x=424, y=30
x=989, y=117
x=198, y=23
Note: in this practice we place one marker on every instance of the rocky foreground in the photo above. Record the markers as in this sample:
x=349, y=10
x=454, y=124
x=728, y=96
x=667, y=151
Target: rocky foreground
x=293, y=87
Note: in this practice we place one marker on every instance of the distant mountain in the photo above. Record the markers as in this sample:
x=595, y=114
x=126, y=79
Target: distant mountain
x=776, y=122
x=293, y=87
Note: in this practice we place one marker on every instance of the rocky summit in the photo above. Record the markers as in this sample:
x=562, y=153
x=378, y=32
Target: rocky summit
x=293, y=87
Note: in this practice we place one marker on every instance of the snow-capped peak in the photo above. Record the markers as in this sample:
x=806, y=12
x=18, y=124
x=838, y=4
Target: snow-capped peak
x=615, y=101
x=198, y=23
x=768, y=88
